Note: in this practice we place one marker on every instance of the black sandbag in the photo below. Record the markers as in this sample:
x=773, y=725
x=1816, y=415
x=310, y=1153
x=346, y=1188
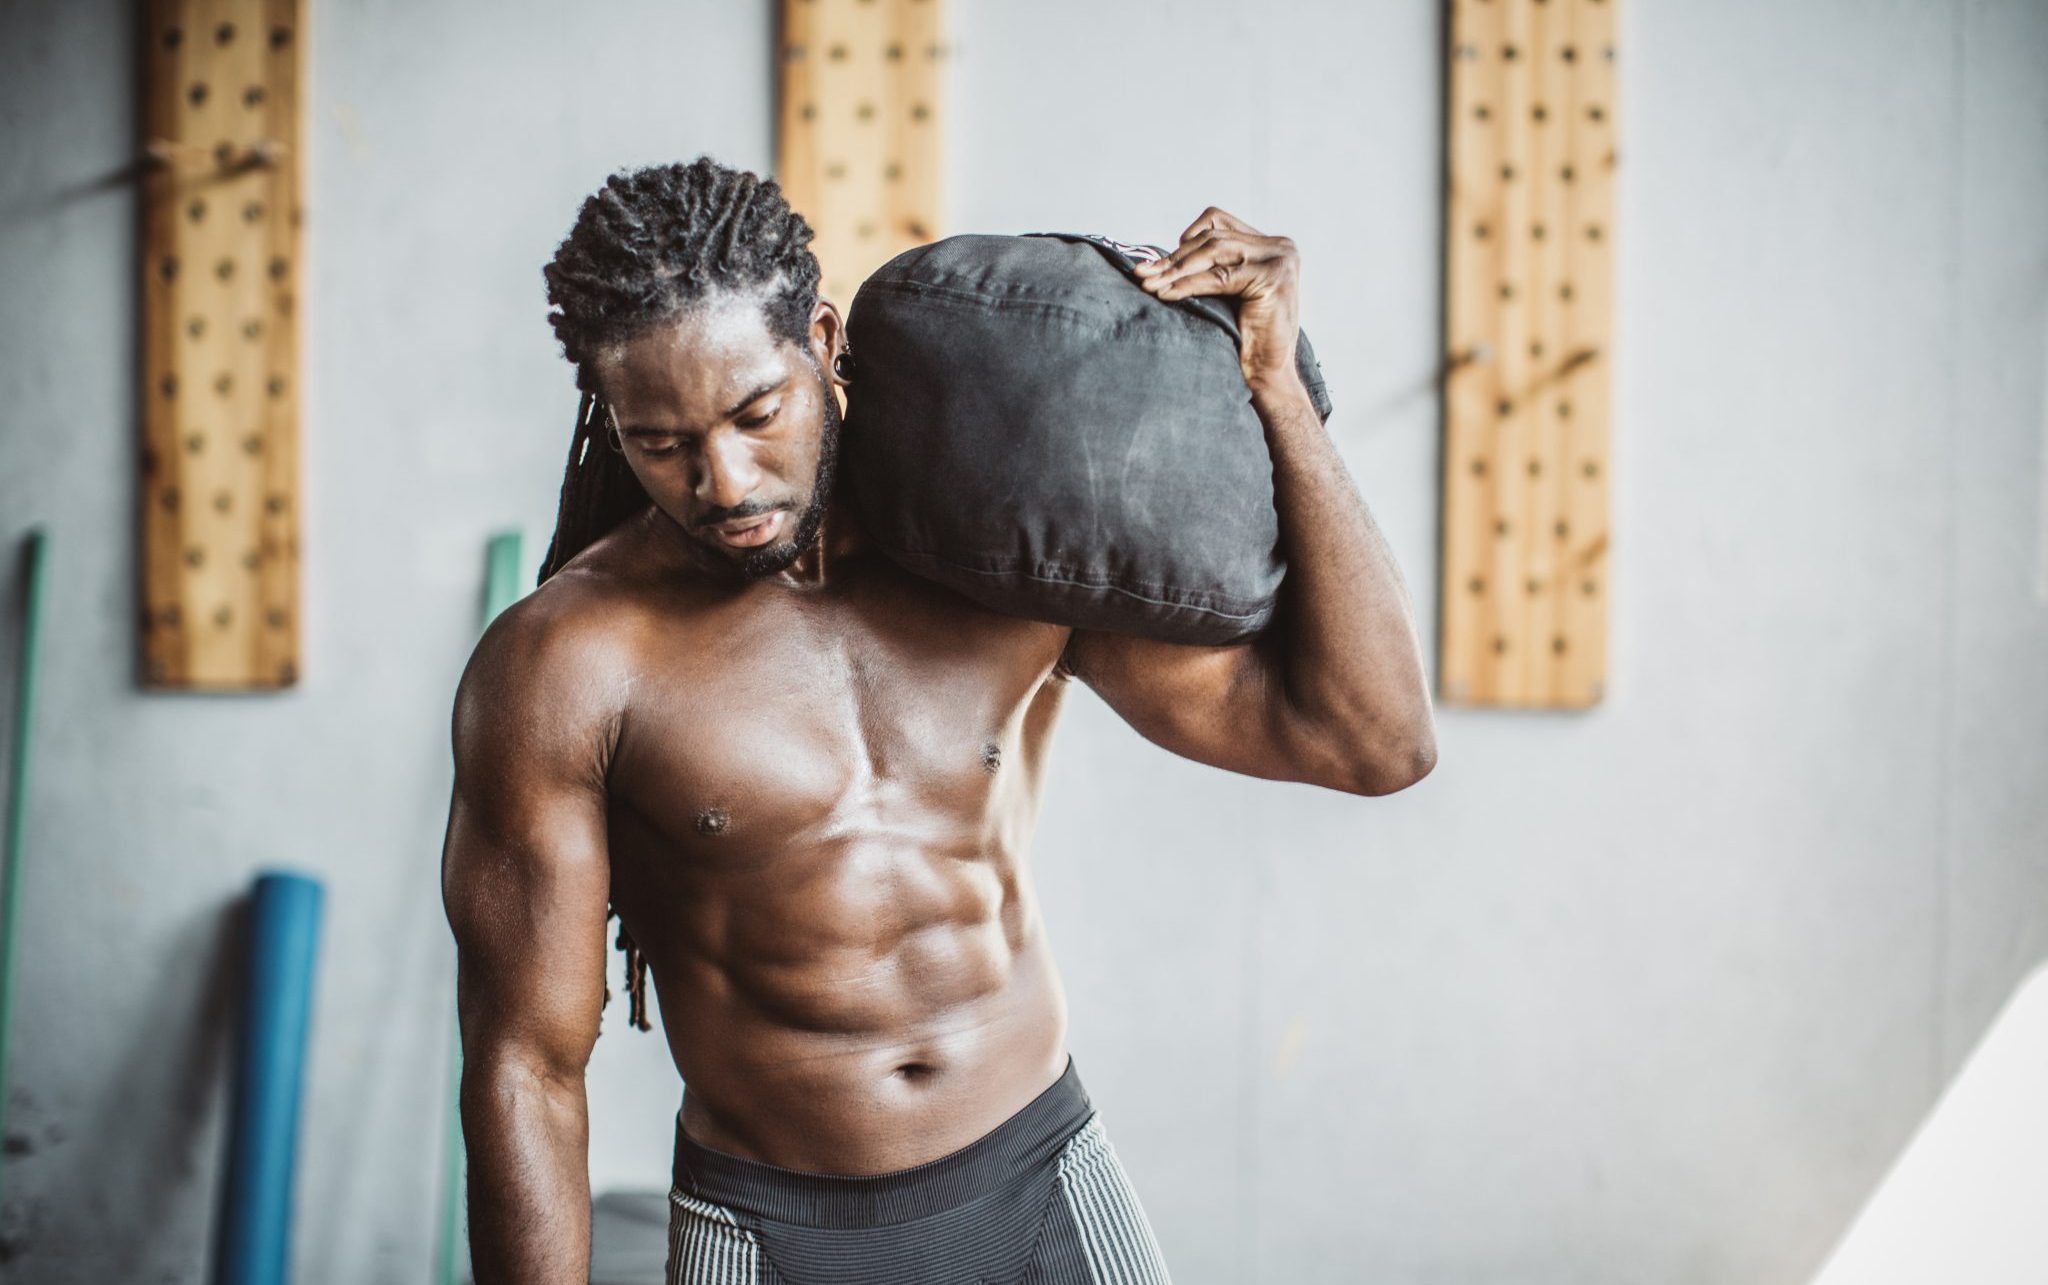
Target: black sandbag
x=1027, y=426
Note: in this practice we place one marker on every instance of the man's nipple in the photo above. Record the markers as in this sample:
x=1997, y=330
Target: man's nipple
x=712, y=821
x=991, y=757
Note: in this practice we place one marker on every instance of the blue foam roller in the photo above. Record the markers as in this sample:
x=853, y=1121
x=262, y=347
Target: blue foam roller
x=270, y=1060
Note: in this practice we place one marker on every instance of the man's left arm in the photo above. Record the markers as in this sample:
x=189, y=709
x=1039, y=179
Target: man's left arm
x=1333, y=692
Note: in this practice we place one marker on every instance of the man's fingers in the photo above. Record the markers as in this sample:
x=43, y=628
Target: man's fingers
x=1223, y=219
x=1213, y=269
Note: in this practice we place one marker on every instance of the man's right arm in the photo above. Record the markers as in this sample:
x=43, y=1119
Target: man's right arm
x=525, y=878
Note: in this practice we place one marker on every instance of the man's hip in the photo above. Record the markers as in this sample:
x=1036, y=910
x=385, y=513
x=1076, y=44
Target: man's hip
x=1041, y=1198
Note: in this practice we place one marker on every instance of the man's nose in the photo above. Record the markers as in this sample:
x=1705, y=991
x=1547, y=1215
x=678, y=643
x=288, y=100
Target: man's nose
x=729, y=474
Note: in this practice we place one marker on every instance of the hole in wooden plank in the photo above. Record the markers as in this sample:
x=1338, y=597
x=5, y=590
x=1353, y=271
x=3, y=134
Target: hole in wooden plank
x=274, y=503
x=809, y=111
x=169, y=499
x=918, y=111
x=1505, y=407
x=252, y=328
x=1564, y=291
x=276, y=385
x=915, y=228
x=794, y=53
x=253, y=444
x=1535, y=467
x=1535, y=347
x=1592, y=231
x=278, y=267
x=1477, y=584
x=837, y=53
x=1500, y=644
x=1568, y=53
x=892, y=171
x=1507, y=173
x=1596, y=112
x=168, y=269
x=1557, y=644
x=1507, y=289
x=194, y=556
x=1592, y=468
x=223, y=383
x=223, y=616
x=894, y=53
x=866, y=111
x=1563, y=529
x=287, y=673
x=224, y=33
x=1480, y=230
x=168, y=385
x=1500, y=526
x=195, y=326
x=1565, y=172
x=1479, y=468
x=253, y=96
x=223, y=501
x=197, y=94
x=835, y=170
x=1588, y=588
x=275, y=618
x=1536, y=231
x=280, y=37
x=1510, y=52
x=1564, y=410
x=1483, y=112
x=225, y=269
x=173, y=37
x=1533, y=585
x=196, y=210
x=252, y=212
x=252, y=560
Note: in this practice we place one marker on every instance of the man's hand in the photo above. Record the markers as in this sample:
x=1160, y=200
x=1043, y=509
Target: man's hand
x=1221, y=254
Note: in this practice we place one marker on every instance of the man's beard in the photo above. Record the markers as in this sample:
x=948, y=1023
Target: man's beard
x=776, y=557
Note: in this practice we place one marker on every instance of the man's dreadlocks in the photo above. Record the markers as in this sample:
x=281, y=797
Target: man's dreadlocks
x=645, y=247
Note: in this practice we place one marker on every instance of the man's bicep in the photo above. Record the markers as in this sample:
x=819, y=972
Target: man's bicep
x=1219, y=705
x=526, y=873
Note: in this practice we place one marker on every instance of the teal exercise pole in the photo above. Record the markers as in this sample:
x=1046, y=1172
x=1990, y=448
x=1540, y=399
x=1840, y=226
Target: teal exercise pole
x=501, y=590
x=37, y=562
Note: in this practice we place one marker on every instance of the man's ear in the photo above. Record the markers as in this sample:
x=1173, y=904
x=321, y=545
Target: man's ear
x=828, y=337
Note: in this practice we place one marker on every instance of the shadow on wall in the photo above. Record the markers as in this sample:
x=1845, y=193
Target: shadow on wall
x=141, y=1167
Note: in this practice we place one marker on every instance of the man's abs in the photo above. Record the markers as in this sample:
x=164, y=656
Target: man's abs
x=859, y=1010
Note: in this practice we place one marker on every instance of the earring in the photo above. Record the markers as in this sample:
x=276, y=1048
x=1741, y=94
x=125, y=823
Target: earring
x=612, y=436
x=843, y=365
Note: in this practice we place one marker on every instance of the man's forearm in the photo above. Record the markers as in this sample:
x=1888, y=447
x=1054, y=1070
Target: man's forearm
x=1352, y=656
x=529, y=1177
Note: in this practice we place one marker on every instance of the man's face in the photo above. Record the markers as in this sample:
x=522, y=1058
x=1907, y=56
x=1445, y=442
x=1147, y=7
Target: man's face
x=726, y=424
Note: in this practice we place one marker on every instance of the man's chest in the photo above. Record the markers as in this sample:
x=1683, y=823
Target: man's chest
x=784, y=720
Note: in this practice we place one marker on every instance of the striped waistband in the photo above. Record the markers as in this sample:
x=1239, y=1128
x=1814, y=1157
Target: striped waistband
x=1025, y=1143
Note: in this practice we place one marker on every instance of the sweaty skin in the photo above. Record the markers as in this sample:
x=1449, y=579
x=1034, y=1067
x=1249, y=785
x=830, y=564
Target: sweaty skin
x=829, y=880
x=809, y=781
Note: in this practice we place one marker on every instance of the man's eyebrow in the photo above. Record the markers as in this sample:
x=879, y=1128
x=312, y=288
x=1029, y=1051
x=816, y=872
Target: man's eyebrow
x=734, y=409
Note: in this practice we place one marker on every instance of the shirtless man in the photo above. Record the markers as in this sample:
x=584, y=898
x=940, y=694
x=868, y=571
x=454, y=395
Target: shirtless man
x=806, y=783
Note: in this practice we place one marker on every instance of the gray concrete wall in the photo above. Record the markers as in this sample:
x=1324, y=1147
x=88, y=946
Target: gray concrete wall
x=1650, y=993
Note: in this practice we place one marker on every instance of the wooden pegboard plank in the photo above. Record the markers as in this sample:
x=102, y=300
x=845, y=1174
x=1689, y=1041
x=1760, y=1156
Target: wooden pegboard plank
x=221, y=272
x=858, y=140
x=1528, y=280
